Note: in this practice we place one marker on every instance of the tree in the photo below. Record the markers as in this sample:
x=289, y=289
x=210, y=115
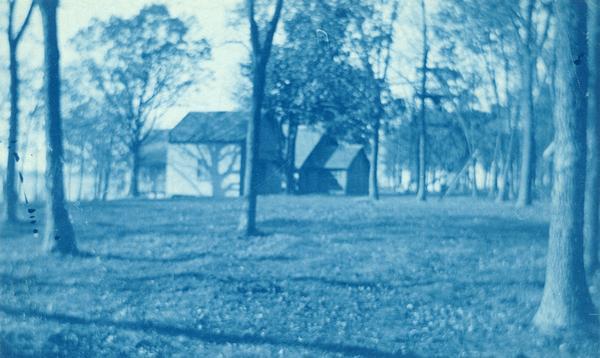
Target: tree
x=59, y=235
x=15, y=35
x=309, y=79
x=531, y=46
x=141, y=65
x=566, y=302
x=422, y=157
x=375, y=52
x=92, y=135
x=592, y=192
x=261, y=51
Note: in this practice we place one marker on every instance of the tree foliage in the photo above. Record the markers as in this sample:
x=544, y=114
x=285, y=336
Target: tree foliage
x=141, y=66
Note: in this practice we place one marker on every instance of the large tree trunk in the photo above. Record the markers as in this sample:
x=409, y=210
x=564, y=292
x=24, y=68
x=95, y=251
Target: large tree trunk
x=14, y=38
x=59, y=235
x=248, y=220
x=373, y=177
x=592, y=192
x=566, y=303
x=528, y=146
x=11, y=193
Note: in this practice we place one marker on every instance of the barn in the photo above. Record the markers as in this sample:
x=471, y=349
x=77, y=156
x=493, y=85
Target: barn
x=206, y=155
x=324, y=164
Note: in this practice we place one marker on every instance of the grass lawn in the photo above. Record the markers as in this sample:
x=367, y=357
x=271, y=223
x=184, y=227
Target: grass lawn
x=335, y=277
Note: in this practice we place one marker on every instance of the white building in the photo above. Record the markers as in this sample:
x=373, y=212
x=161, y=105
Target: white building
x=206, y=155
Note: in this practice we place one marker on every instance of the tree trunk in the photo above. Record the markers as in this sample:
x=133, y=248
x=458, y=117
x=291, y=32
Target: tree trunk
x=528, y=147
x=215, y=176
x=10, y=192
x=373, y=177
x=59, y=235
x=260, y=58
x=422, y=189
x=14, y=38
x=107, y=170
x=242, y=169
x=134, y=190
x=474, y=192
x=97, y=181
x=592, y=192
x=106, y=180
x=290, y=160
x=504, y=190
x=248, y=220
x=495, y=167
x=566, y=303
x=81, y=172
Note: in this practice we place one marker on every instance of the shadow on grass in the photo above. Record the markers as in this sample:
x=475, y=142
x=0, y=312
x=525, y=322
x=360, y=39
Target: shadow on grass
x=343, y=283
x=31, y=281
x=203, y=335
x=173, y=259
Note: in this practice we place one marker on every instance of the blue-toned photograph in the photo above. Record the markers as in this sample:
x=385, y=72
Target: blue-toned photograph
x=300, y=178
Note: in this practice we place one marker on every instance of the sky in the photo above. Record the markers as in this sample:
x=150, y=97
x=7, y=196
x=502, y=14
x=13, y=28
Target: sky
x=212, y=15
x=216, y=19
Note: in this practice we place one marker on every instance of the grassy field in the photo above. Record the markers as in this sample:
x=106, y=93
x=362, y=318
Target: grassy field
x=334, y=277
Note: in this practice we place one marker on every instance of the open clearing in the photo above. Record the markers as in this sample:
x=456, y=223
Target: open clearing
x=335, y=277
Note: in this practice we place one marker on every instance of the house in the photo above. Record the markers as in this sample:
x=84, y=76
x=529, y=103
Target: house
x=206, y=155
x=326, y=165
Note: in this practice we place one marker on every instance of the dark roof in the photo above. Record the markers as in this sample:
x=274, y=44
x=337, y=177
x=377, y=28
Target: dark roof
x=210, y=127
x=154, y=150
x=343, y=156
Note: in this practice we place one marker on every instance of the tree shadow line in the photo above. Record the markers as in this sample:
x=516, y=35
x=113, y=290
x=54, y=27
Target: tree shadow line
x=203, y=335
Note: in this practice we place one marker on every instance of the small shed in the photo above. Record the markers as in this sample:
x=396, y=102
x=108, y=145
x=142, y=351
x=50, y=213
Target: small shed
x=350, y=167
x=327, y=165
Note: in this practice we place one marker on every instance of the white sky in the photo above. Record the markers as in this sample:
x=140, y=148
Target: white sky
x=215, y=18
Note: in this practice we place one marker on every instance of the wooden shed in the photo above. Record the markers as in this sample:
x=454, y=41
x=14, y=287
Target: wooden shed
x=349, y=166
x=326, y=165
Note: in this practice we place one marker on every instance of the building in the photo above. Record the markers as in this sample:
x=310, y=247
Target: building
x=206, y=155
x=326, y=165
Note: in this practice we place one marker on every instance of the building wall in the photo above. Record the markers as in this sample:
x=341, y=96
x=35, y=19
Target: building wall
x=270, y=175
x=317, y=181
x=185, y=178
x=358, y=176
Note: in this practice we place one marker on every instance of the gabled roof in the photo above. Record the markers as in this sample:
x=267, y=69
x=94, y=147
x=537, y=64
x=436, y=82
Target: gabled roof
x=210, y=127
x=306, y=141
x=343, y=156
x=154, y=149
